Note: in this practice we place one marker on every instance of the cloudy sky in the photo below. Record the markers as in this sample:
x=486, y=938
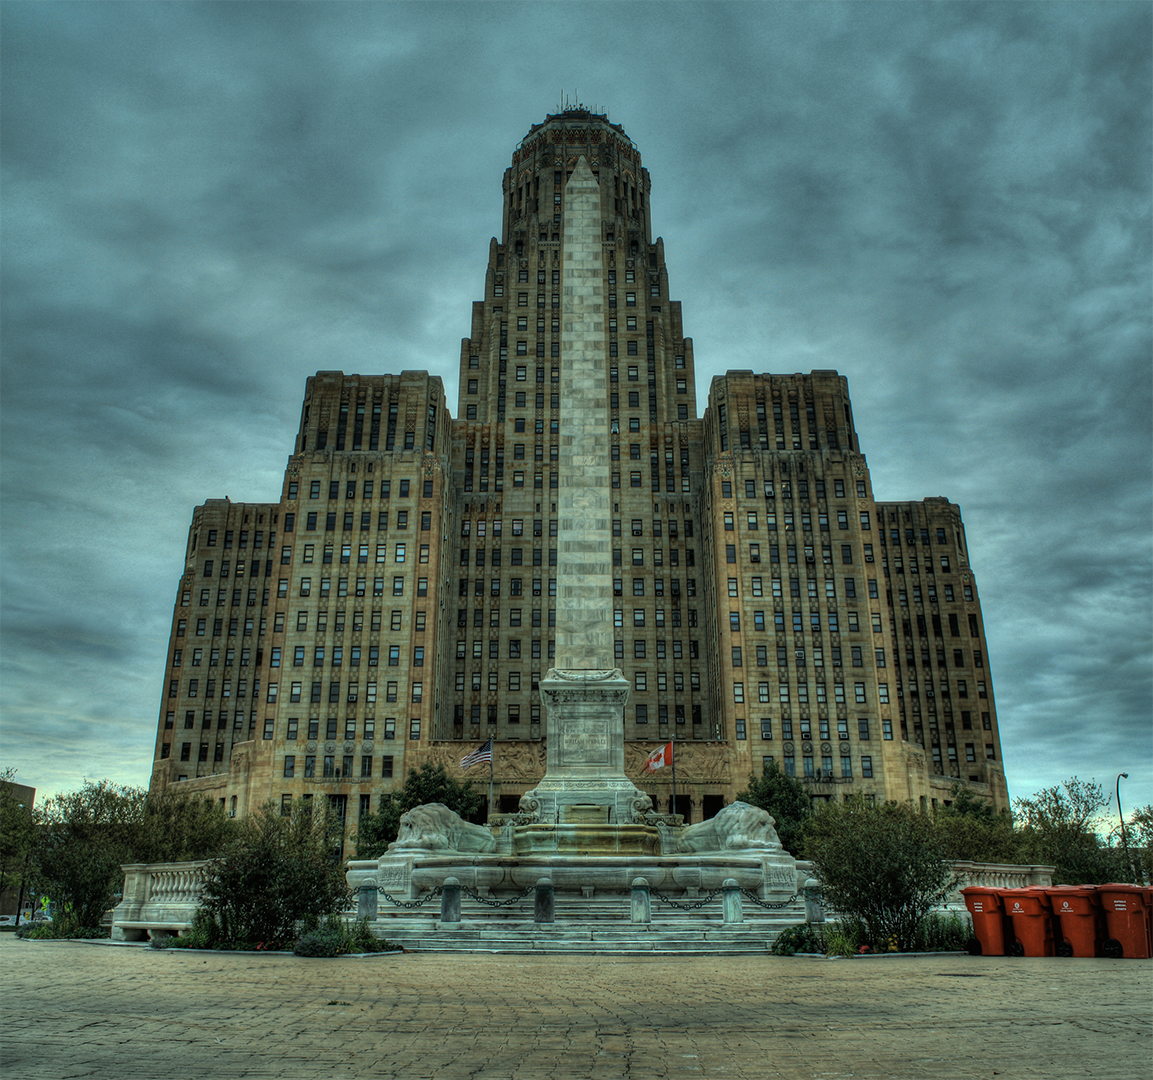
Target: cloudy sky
x=205, y=203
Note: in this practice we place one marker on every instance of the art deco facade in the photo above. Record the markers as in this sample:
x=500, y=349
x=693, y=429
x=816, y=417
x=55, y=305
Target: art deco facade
x=396, y=604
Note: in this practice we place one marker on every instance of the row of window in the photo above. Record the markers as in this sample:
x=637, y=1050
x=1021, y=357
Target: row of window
x=860, y=696
x=334, y=767
x=332, y=730
x=257, y=538
x=368, y=489
x=360, y=587
x=514, y=617
x=312, y=521
x=789, y=489
x=296, y=689
x=516, y=555
x=335, y=689
x=514, y=649
x=809, y=768
x=803, y=728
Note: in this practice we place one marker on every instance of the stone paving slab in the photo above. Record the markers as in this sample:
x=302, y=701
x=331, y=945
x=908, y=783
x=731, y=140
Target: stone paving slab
x=74, y=1010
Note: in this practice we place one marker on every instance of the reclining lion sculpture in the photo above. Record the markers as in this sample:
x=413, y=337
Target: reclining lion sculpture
x=738, y=827
x=434, y=827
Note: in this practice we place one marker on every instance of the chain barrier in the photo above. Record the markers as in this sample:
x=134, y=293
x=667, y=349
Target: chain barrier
x=410, y=903
x=686, y=907
x=748, y=895
x=474, y=895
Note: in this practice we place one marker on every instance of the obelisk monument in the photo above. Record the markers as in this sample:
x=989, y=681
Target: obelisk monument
x=584, y=694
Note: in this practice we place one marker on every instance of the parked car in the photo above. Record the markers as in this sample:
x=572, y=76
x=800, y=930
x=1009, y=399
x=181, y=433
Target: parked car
x=7, y=920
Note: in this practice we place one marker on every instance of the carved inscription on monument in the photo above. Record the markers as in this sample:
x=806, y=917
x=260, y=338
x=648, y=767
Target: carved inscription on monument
x=586, y=744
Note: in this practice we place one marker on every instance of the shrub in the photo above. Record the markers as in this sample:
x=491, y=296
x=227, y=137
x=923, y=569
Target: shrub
x=336, y=937
x=324, y=941
x=941, y=933
x=804, y=938
x=64, y=926
x=840, y=943
x=277, y=877
x=882, y=865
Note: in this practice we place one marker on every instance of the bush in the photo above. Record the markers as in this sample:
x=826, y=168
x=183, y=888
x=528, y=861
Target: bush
x=277, y=877
x=336, y=937
x=882, y=865
x=805, y=938
x=325, y=941
x=202, y=935
x=942, y=933
x=840, y=943
x=64, y=926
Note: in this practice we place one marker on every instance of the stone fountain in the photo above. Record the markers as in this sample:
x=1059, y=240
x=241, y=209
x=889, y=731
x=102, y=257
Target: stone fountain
x=585, y=827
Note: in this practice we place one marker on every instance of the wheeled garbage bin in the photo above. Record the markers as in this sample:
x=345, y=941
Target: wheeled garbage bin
x=989, y=936
x=1127, y=909
x=1032, y=918
x=1078, y=915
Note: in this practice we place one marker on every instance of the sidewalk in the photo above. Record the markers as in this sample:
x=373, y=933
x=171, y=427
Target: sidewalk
x=79, y=1010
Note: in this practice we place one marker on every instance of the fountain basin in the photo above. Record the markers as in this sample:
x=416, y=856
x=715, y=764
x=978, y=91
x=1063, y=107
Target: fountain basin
x=586, y=839
x=500, y=876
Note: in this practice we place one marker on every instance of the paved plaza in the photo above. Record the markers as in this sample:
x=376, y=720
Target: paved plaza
x=132, y=1013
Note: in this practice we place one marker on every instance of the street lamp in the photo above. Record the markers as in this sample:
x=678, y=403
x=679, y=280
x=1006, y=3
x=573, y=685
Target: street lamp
x=1121, y=816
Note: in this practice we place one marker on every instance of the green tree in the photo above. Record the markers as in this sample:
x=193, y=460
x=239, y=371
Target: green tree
x=431, y=785
x=277, y=876
x=82, y=840
x=1059, y=827
x=1139, y=842
x=786, y=798
x=178, y=826
x=883, y=865
x=971, y=829
x=16, y=833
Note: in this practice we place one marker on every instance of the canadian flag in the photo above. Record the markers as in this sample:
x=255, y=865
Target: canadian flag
x=660, y=757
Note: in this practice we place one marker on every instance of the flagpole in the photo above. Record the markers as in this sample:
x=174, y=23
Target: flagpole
x=673, y=744
x=490, y=808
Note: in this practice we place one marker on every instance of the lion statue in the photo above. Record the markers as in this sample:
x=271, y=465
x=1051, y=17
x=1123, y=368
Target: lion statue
x=737, y=827
x=434, y=827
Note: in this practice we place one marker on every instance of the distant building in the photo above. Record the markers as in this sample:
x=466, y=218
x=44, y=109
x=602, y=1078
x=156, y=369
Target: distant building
x=13, y=872
x=396, y=604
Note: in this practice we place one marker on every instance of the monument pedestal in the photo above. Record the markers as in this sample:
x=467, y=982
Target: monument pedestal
x=585, y=764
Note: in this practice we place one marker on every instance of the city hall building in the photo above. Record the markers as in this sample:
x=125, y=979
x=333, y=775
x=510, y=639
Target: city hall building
x=395, y=603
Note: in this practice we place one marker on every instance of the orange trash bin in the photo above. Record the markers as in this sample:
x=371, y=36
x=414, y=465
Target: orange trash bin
x=988, y=915
x=1078, y=914
x=1032, y=918
x=1127, y=909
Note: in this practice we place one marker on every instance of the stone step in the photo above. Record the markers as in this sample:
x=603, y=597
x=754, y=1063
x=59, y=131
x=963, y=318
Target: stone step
x=583, y=936
x=596, y=912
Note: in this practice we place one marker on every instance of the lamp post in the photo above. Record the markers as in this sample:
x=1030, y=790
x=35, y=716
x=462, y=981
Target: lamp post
x=1121, y=817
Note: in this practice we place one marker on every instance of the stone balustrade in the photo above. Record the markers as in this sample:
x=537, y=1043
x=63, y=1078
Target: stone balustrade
x=994, y=876
x=159, y=899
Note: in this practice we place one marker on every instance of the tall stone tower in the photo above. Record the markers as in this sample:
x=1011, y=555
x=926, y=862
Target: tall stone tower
x=403, y=599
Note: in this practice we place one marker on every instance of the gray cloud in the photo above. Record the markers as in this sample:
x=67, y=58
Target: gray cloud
x=205, y=203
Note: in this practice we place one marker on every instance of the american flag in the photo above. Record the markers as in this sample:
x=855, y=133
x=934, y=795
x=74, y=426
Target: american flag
x=475, y=757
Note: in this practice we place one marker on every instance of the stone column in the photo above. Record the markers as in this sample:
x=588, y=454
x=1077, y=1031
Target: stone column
x=584, y=694
x=366, y=902
x=450, y=901
x=732, y=910
x=641, y=905
x=584, y=603
x=544, y=909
